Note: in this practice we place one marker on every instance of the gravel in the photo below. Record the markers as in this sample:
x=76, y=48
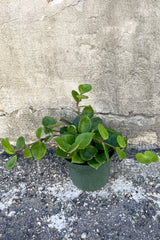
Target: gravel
x=39, y=202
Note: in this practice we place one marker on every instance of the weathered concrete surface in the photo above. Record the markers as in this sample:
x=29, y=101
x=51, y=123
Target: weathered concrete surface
x=48, y=49
x=39, y=202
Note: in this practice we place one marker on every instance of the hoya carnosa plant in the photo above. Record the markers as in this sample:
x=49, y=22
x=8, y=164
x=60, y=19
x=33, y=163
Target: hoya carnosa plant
x=85, y=140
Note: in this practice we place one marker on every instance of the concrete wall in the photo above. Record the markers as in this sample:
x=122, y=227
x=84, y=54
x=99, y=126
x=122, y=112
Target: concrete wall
x=48, y=49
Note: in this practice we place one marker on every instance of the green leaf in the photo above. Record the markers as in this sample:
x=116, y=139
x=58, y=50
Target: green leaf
x=38, y=150
x=27, y=153
x=61, y=153
x=83, y=88
x=147, y=157
x=48, y=121
x=121, y=154
x=47, y=130
x=20, y=143
x=48, y=138
x=94, y=123
x=62, y=145
x=72, y=129
x=67, y=138
x=76, y=121
x=85, y=138
x=121, y=141
x=39, y=132
x=74, y=95
x=84, y=125
x=111, y=131
x=88, y=111
x=7, y=146
x=65, y=121
x=88, y=153
x=112, y=140
x=11, y=162
x=63, y=130
x=93, y=163
x=103, y=132
x=106, y=151
x=77, y=159
x=101, y=158
x=65, y=142
x=80, y=97
x=54, y=125
x=74, y=146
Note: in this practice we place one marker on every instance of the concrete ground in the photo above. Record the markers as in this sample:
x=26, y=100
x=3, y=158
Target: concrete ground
x=39, y=202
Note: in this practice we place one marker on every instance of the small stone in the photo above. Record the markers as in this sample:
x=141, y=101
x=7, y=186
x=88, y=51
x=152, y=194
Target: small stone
x=83, y=235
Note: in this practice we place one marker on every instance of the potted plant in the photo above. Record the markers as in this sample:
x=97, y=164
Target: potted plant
x=85, y=143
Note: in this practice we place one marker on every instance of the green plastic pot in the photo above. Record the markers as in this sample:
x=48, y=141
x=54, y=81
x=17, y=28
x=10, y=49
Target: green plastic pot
x=87, y=178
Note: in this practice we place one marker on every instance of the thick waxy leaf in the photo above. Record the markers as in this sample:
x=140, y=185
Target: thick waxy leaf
x=112, y=140
x=88, y=111
x=65, y=142
x=48, y=138
x=39, y=132
x=20, y=143
x=80, y=97
x=147, y=157
x=61, y=153
x=94, y=123
x=103, y=132
x=101, y=158
x=97, y=135
x=54, y=125
x=74, y=146
x=76, y=121
x=72, y=129
x=85, y=138
x=47, y=130
x=105, y=147
x=38, y=150
x=7, y=146
x=27, y=153
x=46, y=121
x=67, y=138
x=83, y=88
x=93, y=163
x=77, y=159
x=88, y=153
x=84, y=125
x=11, y=162
x=62, y=144
x=121, y=141
x=121, y=154
x=74, y=95
x=111, y=131
x=63, y=130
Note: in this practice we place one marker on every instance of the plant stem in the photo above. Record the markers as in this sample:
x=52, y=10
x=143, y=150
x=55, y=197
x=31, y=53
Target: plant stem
x=78, y=108
x=101, y=141
x=28, y=145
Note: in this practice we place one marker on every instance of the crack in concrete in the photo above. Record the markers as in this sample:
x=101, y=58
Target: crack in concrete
x=129, y=116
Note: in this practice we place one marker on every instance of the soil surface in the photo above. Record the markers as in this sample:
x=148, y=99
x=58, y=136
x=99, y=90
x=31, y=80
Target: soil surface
x=39, y=202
